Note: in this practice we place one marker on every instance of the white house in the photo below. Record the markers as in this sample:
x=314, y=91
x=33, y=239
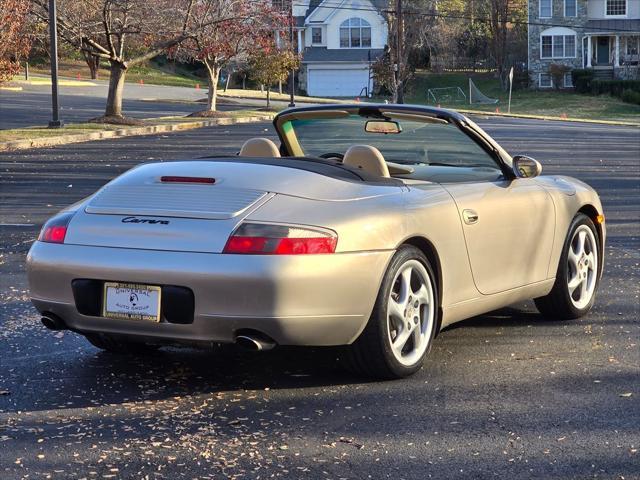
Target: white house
x=339, y=40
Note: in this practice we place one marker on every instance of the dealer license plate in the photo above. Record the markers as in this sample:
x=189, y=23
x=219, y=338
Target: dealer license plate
x=131, y=301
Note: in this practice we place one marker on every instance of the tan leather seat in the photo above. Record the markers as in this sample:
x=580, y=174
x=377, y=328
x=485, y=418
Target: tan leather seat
x=259, y=147
x=367, y=158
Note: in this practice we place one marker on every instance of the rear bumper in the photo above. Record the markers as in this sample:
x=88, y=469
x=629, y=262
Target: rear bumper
x=296, y=300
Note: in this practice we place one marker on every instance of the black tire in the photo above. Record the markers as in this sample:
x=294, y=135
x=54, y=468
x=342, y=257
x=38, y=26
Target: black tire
x=557, y=304
x=116, y=345
x=371, y=355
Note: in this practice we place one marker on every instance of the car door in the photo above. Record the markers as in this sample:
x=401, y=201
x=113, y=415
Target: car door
x=508, y=228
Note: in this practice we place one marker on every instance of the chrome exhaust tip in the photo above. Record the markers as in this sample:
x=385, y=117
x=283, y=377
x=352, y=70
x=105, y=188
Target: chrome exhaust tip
x=255, y=343
x=53, y=322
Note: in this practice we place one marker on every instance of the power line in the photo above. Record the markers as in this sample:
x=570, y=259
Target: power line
x=338, y=6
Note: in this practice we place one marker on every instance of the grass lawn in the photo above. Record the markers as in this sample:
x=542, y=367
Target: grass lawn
x=149, y=73
x=526, y=102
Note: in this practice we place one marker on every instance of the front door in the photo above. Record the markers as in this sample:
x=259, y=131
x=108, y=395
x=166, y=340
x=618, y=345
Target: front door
x=509, y=227
x=602, y=51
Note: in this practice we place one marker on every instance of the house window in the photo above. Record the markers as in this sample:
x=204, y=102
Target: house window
x=570, y=8
x=545, y=80
x=568, y=80
x=616, y=8
x=355, y=33
x=632, y=45
x=557, y=46
x=316, y=35
x=546, y=8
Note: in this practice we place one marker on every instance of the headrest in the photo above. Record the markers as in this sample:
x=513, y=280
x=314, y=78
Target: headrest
x=367, y=158
x=259, y=147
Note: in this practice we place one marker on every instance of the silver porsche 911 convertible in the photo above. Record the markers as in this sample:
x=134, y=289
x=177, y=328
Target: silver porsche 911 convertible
x=369, y=226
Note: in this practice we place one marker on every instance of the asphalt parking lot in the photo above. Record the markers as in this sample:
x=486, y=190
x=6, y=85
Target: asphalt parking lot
x=504, y=395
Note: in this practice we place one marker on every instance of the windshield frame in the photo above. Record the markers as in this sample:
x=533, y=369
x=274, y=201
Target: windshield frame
x=375, y=111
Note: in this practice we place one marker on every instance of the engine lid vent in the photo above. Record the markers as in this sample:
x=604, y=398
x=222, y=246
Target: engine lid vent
x=174, y=200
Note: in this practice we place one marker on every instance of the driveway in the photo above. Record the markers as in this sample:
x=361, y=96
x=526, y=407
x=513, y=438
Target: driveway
x=504, y=395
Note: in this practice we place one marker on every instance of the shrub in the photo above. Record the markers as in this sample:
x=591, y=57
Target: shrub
x=631, y=96
x=557, y=72
x=582, y=79
x=614, y=87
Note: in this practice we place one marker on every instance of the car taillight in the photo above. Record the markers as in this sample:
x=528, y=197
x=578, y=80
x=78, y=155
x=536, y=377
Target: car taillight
x=55, y=230
x=268, y=239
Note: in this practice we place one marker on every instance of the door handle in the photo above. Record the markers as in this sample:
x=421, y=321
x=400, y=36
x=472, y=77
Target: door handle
x=470, y=216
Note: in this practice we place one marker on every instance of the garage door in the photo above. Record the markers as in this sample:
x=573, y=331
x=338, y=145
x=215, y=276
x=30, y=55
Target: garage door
x=337, y=83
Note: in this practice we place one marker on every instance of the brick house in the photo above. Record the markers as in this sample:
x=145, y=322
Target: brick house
x=603, y=35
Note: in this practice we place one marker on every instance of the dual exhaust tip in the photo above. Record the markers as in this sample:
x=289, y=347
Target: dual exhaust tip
x=256, y=342
x=53, y=322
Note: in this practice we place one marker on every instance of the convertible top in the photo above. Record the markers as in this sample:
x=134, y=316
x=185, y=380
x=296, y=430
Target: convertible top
x=321, y=166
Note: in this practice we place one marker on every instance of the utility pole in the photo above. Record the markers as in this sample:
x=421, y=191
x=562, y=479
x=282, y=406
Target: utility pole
x=292, y=75
x=399, y=47
x=53, y=34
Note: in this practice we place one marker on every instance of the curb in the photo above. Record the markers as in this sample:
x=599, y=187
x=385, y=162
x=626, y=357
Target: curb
x=127, y=132
x=548, y=118
x=11, y=89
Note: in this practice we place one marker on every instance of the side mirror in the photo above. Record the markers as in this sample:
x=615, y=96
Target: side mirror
x=526, y=167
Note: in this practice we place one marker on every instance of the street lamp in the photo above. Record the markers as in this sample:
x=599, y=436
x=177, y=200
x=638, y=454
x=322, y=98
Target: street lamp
x=53, y=40
x=292, y=75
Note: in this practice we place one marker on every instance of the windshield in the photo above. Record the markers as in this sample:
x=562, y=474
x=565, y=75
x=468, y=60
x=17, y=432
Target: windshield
x=417, y=143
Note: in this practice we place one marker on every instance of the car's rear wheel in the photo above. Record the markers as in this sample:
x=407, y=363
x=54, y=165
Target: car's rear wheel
x=401, y=328
x=578, y=274
x=118, y=345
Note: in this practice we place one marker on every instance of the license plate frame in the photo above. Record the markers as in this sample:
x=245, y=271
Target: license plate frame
x=133, y=313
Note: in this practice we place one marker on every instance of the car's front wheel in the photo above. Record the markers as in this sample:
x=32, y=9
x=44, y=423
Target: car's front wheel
x=578, y=274
x=402, y=326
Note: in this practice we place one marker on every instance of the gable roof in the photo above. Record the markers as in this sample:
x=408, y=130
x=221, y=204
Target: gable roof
x=380, y=5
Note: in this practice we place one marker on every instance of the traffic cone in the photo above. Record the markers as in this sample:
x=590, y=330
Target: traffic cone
x=141, y=82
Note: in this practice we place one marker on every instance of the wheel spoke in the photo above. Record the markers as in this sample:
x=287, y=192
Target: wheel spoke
x=574, y=283
x=405, y=285
x=591, y=258
x=573, y=259
x=582, y=236
x=583, y=289
x=423, y=295
x=396, y=311
x=417, y=336
x=401, y=340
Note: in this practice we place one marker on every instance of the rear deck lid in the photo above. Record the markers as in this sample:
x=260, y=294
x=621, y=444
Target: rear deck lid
x=212, y=202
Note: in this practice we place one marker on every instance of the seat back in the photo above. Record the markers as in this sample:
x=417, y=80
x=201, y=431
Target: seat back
x=367, y=158
x=259, y=147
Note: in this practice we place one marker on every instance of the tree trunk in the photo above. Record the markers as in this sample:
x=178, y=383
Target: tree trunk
x=280, y=87
x=116, y=87
x=268, y=97
x=93, y=62
x=226, y=85
x=213, y=74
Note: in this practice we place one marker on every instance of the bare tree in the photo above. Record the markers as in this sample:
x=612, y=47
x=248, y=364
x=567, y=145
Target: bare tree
x=502, y=15
x=125, y=33
x=213, y=43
